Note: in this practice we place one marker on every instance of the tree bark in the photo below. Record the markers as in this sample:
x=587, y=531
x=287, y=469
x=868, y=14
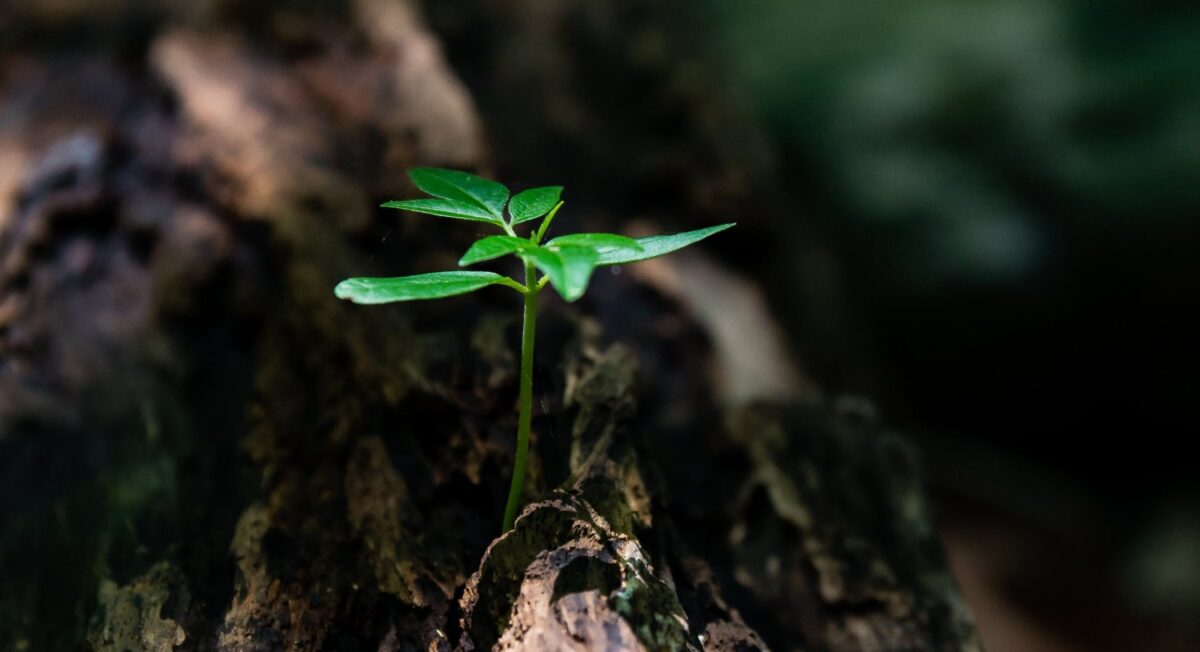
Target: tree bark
x=200, y=448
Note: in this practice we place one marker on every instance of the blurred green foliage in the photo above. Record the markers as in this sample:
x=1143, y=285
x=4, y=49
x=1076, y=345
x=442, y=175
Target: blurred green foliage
x=1012, y=188
x=972, y=121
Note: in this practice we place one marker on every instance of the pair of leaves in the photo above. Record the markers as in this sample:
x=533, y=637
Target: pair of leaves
x=567, y=260
x=464, y=196
x=496, y=246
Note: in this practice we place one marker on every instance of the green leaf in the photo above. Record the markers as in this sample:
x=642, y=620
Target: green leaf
x=569, y=267
x=461, y=186
x=493, y=246
x=533, y=203
x=598, y=241
x=657, y=245
x=414, y=288
x=459, y=210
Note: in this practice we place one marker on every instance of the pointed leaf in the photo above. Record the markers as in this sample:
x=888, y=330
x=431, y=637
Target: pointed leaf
x=414, y=288
x=533, y=203
x=458, y=210
x=493, y=246
x=657, y=245
x=461, y=186
x=598, y=241
x=578, y=263
x=569, y=267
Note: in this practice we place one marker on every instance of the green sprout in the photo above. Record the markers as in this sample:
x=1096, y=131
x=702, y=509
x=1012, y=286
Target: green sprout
x=566, y=262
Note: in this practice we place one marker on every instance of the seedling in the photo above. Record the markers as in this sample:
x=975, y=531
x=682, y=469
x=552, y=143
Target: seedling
x=566, y=262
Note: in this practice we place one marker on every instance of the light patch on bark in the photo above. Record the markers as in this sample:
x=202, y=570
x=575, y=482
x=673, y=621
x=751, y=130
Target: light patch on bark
x=130, y=618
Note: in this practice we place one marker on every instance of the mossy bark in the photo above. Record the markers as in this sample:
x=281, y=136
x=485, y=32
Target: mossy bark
x=201, y=448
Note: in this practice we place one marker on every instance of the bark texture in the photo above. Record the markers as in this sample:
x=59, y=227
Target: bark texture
x=200, y=448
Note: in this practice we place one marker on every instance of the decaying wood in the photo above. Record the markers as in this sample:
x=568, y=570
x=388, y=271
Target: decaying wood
x=201, y=449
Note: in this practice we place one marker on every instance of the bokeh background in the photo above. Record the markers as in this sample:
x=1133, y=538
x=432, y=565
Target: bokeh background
x=981, y=215
x=1011, y=190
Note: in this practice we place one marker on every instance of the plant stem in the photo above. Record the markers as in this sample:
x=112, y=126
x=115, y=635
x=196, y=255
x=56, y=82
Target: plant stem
x=541, y=232
x=524, y=398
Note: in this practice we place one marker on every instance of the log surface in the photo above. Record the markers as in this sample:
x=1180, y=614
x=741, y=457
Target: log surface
x=200, y=448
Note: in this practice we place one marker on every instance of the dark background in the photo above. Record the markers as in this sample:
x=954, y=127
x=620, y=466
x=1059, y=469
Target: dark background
x=1011, y=190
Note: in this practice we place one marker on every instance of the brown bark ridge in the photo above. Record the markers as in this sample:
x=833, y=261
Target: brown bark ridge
x=200, y=448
